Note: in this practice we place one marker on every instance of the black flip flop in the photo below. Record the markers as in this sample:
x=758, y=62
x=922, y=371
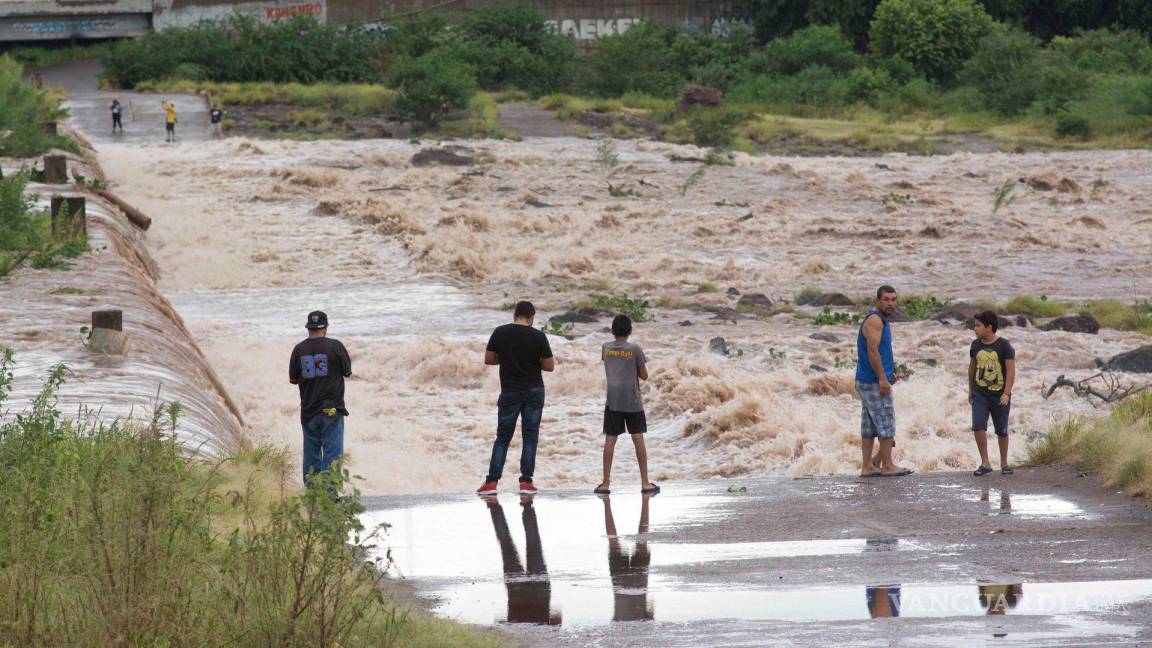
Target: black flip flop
x=1007, y=470
x=875, y=473
x=903, y=473
x=653, y=490
x=600, y=490
x=981, y=471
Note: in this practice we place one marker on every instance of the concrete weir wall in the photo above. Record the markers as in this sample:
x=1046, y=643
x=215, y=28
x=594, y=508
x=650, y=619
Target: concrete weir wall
x=43, y=312
x=583, y=20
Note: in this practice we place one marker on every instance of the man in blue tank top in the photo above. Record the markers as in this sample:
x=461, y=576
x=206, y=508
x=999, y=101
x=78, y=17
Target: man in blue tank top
x=875, y=373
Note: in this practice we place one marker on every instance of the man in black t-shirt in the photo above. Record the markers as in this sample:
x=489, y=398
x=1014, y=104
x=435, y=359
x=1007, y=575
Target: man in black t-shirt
x=522, y=353
x=319, y=366
x=991, y=377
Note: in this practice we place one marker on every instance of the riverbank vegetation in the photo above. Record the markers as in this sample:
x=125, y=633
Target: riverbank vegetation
x=26, y=235
x=24, y=111
x=916, y=75
x=1118, y=446
x=115, y=534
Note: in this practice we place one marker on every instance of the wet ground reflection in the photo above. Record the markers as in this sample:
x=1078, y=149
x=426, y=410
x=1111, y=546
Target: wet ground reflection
x=447, y=548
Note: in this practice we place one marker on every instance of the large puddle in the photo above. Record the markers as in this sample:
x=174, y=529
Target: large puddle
x=579, y=561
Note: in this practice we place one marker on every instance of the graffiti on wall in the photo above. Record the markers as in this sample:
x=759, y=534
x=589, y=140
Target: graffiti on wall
x=314, y=9
x=590, y=29
x=44, y=28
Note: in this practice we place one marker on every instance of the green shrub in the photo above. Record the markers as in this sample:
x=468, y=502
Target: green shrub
x=935, y=36
x=244, y=48
x=1033, y=307
x=1005, y=68
x=710, y=60
x=509, y=45
x=714, y=127
x=1073, y=126
x=815, y=45
x=1105, y=50
x=639, y=60
x=636, y=309
x=922, y=308
x=430, y=87
x=417, y=34
x=113, y=536
x=22, y=226
x=23, y=112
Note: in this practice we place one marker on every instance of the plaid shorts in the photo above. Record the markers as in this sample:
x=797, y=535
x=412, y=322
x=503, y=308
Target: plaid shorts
x=877, y=416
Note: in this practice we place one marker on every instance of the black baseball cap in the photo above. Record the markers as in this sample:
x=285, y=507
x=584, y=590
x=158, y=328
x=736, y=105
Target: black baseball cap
x=317, y=320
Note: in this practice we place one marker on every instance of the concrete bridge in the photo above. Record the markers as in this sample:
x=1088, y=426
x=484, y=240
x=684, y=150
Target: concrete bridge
x=583, y=20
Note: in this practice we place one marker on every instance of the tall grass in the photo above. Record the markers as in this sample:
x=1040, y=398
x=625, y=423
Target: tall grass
x=351, y=99
x=114, y=536
x=1118, y=446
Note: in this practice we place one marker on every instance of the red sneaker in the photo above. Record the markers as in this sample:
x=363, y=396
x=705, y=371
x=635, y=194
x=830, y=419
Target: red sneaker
x=489, y=488
x=526, y=488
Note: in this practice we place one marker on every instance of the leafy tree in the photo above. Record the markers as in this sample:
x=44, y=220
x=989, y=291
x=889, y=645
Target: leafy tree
x=639, y=60
x=1006, y=70
x=431, y=86
x=936, y=36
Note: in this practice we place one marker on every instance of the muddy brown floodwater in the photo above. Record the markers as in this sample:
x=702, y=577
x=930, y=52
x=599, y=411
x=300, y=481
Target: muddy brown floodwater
x=412, y=265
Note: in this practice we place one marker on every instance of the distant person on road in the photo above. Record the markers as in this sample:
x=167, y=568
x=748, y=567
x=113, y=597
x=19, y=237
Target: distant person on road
x=215, y=116
x=991, y=377
x=875, y=373
x=624, y=366
x=522, y=352
x=319, y=366
x=117, y=116
x=169, y=120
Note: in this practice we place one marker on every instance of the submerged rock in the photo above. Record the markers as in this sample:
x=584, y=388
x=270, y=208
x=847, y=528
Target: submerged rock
x=718, y=345
x=754, y=300
x=826, y=337
x=831, y=299
x=582, y=315
x=1079, y=323
x=1135, y=361
x=442, y=156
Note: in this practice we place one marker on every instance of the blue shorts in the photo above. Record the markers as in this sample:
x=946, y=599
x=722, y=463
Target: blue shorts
x=988, y=405
x=877, y=414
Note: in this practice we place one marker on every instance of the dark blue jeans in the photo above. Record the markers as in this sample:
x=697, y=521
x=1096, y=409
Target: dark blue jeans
x=528, y=406
x=323, y=442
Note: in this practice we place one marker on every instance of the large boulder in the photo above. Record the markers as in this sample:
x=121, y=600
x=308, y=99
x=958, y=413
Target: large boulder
x=442, y=156
x=1136, y=361
x=963, y=311
x=826, y=337
x=754, y=300
x=696, y=96
x=582, y=315
x=1079, y=323
x=827, y=299
x=718, y=345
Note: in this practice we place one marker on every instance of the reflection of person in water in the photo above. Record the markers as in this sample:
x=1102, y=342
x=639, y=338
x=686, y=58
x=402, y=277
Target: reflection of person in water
x=1005, y=500
x=529, y=591
x=998, y=599
x=629, y=571
x=883, y=600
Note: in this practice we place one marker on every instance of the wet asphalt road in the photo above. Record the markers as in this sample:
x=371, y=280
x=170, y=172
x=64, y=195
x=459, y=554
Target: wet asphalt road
x=1041, y=558
x=90, y=108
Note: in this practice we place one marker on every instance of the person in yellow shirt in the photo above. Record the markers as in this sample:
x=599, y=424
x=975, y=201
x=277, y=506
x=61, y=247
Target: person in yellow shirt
x=169, y=120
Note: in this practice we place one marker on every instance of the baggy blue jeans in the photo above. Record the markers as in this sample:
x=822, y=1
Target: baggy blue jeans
x=528, y=406
x=323, y=442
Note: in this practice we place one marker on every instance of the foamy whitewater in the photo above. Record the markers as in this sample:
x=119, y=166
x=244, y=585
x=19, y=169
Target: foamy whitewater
x=413, y=264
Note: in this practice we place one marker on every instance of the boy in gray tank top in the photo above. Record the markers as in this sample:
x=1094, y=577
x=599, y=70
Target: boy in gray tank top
x=625, y=367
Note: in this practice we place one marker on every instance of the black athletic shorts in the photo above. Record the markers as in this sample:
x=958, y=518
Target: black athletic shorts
x=170, y=127
x=615, y=422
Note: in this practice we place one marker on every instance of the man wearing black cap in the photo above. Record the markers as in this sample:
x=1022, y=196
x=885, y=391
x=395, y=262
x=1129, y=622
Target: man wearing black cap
x=319, y=366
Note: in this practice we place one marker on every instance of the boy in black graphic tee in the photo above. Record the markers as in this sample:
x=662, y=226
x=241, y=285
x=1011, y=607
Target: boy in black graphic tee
x=319, y=366
x=991, y=376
